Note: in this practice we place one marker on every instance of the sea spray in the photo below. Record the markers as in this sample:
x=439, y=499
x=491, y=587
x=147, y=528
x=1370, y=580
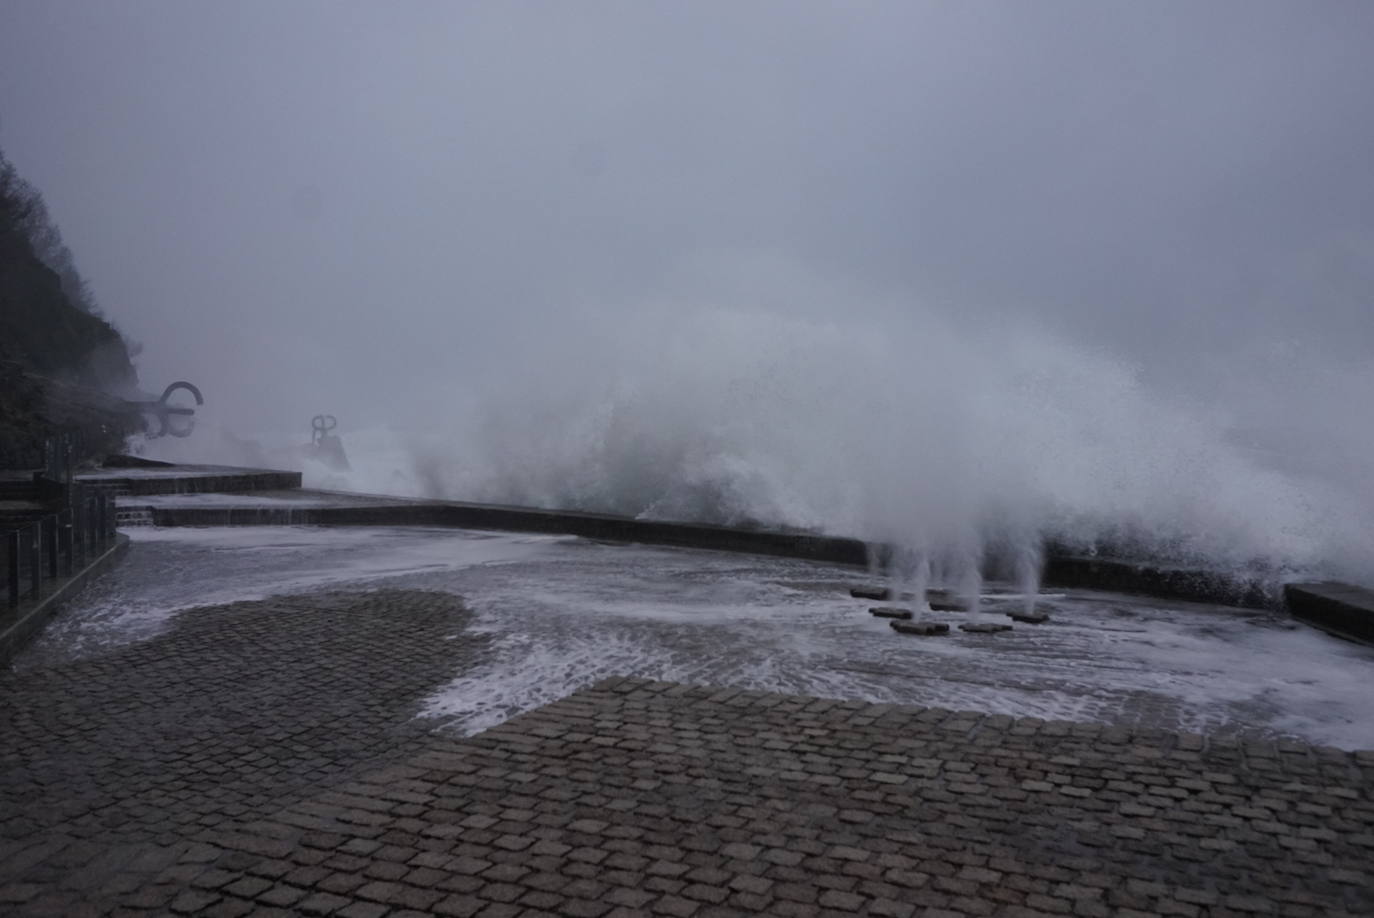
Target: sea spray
x=952, y=441
x=948, y=442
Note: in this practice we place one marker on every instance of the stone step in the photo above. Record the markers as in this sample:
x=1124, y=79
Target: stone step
x=922, y=629
x=134, y=516
x=889, y=612
x=933, y=595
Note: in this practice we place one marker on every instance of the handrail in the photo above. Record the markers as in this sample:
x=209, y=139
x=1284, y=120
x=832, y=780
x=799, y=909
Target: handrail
x=57, y=544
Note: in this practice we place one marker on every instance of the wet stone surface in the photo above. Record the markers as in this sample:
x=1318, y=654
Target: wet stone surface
x=110, y=764
x=263, y=758
x=922, y=629
x=889, y=612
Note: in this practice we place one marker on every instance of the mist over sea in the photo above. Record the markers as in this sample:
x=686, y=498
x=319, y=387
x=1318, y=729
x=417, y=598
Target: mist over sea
x=963, y=278
x=953, y=442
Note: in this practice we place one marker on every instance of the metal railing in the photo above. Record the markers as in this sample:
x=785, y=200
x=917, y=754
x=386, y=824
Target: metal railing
x=60, y=454
x=55, y=545
x=54, y=458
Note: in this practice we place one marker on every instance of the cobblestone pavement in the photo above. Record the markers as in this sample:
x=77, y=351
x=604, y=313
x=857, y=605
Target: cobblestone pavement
x=111, y=765
x=636, y=797
x=560, y=613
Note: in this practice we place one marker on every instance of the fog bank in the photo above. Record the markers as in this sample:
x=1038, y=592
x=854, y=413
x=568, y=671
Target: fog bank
x=936, y=272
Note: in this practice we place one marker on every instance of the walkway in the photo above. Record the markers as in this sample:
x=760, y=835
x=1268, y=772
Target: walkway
x=264, y=756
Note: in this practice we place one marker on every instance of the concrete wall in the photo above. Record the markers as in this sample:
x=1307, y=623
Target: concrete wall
x=229, y=482
x=1060, y=570
x=520, y=519
x=1344, y=610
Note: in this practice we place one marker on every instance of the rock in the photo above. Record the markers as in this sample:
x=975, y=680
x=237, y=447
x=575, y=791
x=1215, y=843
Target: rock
x=924, y=629
x=937, y=594
x=984, y=628
x=1030, y=618
x=889, y=612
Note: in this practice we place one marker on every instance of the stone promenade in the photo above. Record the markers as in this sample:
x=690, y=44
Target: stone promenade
x=263, y=758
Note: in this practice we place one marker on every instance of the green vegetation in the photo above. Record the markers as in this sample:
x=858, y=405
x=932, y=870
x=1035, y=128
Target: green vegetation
x=62, y=366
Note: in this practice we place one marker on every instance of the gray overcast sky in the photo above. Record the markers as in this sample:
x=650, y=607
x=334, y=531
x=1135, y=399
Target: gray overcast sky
x=332, y=206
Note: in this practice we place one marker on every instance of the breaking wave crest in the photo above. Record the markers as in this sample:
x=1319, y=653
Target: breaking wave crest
x=948, y=443
x=953, y=444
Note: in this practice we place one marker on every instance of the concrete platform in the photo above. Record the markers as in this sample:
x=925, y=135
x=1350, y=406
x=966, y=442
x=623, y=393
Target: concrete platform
x=188, y=495
x=563, y=611
x=277, y=506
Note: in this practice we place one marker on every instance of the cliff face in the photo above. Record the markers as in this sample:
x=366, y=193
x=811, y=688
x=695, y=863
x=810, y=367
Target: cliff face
x=62, y=368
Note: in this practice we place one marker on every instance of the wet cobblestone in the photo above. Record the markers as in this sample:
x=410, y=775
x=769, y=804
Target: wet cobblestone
x=262, y=758
x=112, y=764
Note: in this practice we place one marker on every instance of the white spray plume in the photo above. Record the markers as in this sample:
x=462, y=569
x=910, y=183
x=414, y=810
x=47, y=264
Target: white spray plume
x=954, y=442
x=929, y=436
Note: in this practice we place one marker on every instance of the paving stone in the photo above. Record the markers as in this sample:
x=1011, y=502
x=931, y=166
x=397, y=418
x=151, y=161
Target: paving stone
x=639, y=797
x=584, y=908
x=192, y=901
x=18, y=893
x=462, y=906
x=844, y=901
x=230, y=908
x=248, y=887
x=675, y=906
x=322, y=904
x=362, y=910
x=629, y=897
x=282, y=896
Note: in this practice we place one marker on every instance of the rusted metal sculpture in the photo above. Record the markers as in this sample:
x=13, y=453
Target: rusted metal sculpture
x=320, y=426
x=324, y=446
x=166, y=415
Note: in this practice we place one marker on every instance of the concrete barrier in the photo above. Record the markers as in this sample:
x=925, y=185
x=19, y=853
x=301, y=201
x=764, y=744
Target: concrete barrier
x=195, y=480
x=334, y=508
x=1338, y=608
x=1190, y=584
x=1187, y=583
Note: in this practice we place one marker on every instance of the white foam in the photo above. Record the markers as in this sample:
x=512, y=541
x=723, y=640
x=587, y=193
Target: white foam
x=170, y=570
x=1104, y=659
x=947, y=440
x=563, y=612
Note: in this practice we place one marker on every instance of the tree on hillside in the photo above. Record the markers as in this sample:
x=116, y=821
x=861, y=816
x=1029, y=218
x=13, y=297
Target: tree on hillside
x=22, y=210
x=48, y=319
x=63, y=368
